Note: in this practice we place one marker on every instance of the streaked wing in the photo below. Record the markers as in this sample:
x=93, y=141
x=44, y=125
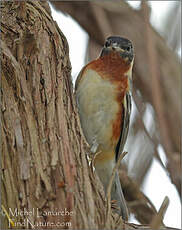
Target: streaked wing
x=125, y=124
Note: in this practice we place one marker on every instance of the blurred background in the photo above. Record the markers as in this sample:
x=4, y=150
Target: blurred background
x=154, y=27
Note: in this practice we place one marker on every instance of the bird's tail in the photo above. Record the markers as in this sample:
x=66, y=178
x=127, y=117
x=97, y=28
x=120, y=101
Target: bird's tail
x=104, y=171
x=117, y=194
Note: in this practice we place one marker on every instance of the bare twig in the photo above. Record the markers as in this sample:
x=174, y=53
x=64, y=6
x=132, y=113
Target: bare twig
x=157, y=220
x=154, y=72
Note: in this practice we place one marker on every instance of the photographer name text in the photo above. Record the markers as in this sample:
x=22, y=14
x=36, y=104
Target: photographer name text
x=35, y=212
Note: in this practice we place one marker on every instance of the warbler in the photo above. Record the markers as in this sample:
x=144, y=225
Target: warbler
x=103, y=96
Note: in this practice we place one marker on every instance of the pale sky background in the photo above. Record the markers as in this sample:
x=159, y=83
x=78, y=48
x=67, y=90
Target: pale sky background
x=157, y=184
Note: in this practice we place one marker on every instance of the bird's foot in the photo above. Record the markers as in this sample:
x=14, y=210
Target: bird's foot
x=114, y=205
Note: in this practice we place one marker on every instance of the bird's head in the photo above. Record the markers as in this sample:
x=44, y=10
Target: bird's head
x=121, y=45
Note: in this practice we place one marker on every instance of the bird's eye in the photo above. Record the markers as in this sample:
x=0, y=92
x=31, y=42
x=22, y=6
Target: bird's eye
x=128, y=48
x=107, y=43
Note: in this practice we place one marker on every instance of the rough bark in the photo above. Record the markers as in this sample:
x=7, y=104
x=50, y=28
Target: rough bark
x=44, y=163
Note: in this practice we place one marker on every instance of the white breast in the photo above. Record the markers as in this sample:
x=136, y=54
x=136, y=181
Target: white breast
x=97, y=108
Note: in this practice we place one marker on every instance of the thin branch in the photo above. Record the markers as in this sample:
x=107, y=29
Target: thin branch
x=157, y=220
x=155, y=86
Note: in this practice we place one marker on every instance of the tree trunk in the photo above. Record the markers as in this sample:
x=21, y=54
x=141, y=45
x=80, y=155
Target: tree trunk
x=44, y=167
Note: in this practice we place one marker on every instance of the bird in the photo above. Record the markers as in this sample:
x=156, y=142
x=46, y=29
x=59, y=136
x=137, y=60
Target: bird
x=103, y=97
